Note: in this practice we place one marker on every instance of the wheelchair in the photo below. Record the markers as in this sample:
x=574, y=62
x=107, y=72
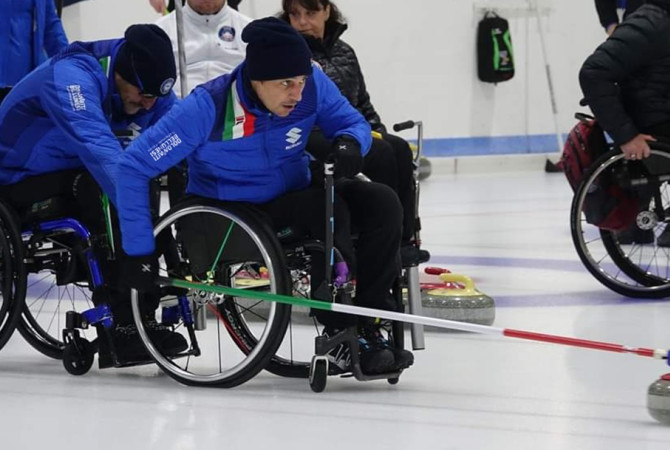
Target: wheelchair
x=635, y=193
x=231, y=339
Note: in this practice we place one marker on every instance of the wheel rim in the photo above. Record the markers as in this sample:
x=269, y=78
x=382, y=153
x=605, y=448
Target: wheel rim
x=632, y=269
x=221, y=360
x=47, y=303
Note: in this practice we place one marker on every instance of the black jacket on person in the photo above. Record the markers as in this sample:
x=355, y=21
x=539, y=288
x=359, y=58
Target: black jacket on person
x=340, y=63
x=607, y=10
x=626, y=81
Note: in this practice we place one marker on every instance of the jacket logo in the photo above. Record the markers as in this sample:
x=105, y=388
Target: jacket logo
x=293, y=135
x=77, y=99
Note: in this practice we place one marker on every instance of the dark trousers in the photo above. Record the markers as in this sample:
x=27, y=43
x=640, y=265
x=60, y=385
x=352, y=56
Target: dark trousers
x=372, y=210
x=389, y=162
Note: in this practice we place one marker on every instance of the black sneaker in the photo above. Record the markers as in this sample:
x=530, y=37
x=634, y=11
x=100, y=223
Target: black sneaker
x=130, y=349
x=411, y=255
x=375, y=359
x=127, y=344
x=168, y=342
x=402, y=358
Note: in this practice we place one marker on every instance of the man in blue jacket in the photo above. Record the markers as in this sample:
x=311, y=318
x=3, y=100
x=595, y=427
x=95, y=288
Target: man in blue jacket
x=30, y=30
x=57, y=125
x=244, y=136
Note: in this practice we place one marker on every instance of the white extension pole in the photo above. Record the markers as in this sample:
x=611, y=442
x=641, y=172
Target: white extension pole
x=179, y=16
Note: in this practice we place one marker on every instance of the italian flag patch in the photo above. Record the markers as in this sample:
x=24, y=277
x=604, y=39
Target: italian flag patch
x=238, y=122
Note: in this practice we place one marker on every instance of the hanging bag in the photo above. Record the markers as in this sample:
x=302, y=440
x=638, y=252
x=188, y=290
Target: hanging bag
x=495, y=56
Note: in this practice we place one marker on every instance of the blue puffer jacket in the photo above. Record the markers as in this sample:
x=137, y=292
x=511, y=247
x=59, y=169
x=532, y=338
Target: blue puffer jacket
x=28, y=30
x=236, y=150
x=61, y=116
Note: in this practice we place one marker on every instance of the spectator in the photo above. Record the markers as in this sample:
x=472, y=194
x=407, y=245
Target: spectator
x=212, y=40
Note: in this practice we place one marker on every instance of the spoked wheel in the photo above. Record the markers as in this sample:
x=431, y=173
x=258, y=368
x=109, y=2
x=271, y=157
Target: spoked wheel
x=12, y=275
x=220, y=245
x=641, y=268
x=53, y=289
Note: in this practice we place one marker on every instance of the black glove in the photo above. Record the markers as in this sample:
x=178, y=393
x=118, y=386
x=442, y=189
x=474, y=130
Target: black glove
x=141, y=272
x=346, y=153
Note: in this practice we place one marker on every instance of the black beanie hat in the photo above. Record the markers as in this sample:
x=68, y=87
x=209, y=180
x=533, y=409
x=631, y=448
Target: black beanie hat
x=146, y=60
x=275, y=50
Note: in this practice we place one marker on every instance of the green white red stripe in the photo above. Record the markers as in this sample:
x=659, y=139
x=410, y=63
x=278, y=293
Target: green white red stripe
x=238, y=122
x=421, y=320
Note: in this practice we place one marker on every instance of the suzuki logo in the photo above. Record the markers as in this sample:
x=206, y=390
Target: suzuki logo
x=293, y=135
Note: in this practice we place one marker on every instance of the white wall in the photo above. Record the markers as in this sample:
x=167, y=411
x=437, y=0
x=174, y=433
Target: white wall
x=419, y=60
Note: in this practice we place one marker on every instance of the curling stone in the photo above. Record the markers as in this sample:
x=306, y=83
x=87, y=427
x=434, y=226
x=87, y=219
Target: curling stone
x=658, y=399
x=425, y=168
x=458, y=300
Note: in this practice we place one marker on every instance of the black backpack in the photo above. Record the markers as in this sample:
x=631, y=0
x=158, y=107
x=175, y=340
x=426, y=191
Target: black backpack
x=495, y=56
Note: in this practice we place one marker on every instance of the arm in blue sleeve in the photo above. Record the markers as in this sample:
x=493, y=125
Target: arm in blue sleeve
x=181, y=131
x=336, y=116
x=54, y=34
x=73, y=100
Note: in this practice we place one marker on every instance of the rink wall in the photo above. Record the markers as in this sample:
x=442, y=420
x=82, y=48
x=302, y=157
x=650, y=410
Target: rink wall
x=419, y=63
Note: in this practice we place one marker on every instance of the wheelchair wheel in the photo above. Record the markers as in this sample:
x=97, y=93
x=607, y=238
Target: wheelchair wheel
x=56, y=284
x=218, y=244
x=639, y=270
x=12, y=274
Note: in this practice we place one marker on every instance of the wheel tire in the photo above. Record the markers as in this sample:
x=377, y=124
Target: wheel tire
x=318, y=376
x=78, y=356
x=12, y=274
x=393, y=381
x=256, y=354
x=604, y=257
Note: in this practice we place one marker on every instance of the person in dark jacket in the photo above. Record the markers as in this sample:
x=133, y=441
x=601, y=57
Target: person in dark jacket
x=30, y=30
x=608, y=14
x=57, y=130
x=244, y=136
x=390, y=158
x=626, y=83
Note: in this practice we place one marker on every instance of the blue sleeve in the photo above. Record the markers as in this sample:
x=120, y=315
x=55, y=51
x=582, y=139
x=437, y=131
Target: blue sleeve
x=54, y=34
x=336, y=116
x=73, y=100
x=181, y=131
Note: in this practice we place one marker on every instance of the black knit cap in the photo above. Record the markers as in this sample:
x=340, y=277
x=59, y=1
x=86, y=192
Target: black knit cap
x=146, y=60
x=275, y=50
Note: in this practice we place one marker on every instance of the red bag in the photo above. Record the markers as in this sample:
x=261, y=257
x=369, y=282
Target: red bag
x=607, y=205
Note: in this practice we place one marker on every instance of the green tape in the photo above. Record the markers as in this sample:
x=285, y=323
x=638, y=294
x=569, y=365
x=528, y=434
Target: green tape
x=248, y=293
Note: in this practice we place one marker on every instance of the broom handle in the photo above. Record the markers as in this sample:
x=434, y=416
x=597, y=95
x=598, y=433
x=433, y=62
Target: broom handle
x=422, y=320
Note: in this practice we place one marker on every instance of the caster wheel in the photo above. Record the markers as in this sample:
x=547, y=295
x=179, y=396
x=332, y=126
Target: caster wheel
x=78, y=356
x=318, y=374
x=393, y=380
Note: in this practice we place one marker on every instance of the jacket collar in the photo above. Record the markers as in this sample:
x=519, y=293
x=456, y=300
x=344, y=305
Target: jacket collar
x=331, y=36
x=205, y=20
x=246, y=93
